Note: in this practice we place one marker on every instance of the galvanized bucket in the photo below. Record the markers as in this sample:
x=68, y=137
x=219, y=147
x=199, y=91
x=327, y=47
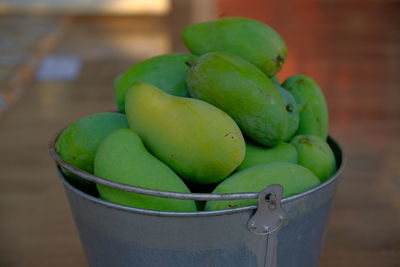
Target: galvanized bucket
x=278, y=232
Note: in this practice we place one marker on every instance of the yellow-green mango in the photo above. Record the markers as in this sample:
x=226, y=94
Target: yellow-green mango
x=197, y=140
x=316, y=155
x=292, y=177
x=122, y=157
x=244, y=92
x=293, y=112
x=77, y=144
x=167, y=72
x=248, y=38
x=314, y=114
x=255, y=154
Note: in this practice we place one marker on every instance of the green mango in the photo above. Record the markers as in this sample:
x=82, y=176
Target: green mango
x=197, y=140
x=255, y=154
x=275, y=80
x=167, y=72
x=314, y=114
x=293, y=112
x=292, y=177
x=77, y=144
x=244, y=92
x=316, y=155
x=251, y=39
x=122, y=157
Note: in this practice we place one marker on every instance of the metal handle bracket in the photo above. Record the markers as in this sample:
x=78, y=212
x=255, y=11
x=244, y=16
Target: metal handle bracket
x=269, y=215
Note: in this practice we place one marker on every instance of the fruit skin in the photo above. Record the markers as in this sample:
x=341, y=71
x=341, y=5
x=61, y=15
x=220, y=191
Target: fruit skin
x=122, y=157
x=251, y=39
x=256, y=154
x=77, y=144
x=275, y=80
x=314, y=114
x=316, y=155
x=293, y=112
x=198, y=141
x=167, y=72
x=244, y=92
x=292, y=177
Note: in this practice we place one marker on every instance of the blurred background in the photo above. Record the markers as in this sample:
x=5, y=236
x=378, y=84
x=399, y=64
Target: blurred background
x=58, y=60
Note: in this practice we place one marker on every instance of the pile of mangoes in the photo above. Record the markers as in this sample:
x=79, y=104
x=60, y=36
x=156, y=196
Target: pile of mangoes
x=217, y=119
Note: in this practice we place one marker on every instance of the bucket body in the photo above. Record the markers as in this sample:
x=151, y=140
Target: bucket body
x=114, y=235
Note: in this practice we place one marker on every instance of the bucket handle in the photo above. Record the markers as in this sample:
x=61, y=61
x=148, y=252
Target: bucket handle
x=266, y=221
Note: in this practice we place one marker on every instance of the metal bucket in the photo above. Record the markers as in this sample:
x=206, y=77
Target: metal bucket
x=277, y=233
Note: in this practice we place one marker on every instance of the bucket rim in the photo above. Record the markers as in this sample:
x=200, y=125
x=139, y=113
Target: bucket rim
x=338, y=151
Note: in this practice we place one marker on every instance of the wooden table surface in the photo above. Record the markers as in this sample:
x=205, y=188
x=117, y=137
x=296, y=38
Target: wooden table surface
x=352, y=48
